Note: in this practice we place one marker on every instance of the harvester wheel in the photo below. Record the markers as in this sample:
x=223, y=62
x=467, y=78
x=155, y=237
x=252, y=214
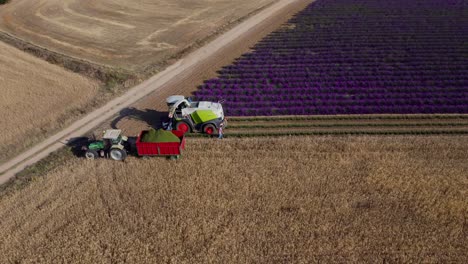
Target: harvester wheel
x=91, y=154
x=183, y=126
x=209, y=129
x=118, y=154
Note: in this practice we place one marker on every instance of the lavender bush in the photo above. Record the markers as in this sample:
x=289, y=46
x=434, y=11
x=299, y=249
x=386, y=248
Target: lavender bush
x=354, y=57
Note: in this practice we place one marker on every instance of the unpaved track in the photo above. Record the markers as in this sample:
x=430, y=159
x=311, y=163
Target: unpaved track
x=205, y=60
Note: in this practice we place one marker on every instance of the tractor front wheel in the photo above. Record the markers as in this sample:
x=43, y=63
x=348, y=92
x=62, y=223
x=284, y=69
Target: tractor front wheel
x=182, y=126
x=209, y=129
x=118, y=154
x=91, y=154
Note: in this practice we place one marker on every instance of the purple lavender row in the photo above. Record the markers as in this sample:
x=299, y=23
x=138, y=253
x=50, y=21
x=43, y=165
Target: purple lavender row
x=246, y=97
x=339, y=110
x=354, y=57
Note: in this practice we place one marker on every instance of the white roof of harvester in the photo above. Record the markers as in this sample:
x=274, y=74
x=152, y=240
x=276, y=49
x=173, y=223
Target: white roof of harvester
x=174, y=99
x=112, y=133
x=208, y=105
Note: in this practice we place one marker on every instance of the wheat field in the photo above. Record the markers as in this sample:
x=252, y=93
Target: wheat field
x=122, y=34
x=256, y=200
x=36, y=98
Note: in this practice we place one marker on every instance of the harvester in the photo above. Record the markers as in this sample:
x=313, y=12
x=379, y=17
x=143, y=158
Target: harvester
x=187, y=116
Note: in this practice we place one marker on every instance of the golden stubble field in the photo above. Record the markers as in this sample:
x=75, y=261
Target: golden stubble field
x=36, y=98
x=256, y=200
x=126, y=34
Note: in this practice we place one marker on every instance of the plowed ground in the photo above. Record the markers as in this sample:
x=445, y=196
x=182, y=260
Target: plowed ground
x=118, y=33
x=253, y=200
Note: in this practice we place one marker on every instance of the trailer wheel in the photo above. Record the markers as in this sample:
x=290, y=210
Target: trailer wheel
x=118, y=154
x=91, y=154
x=209, y=129
x=183, y=126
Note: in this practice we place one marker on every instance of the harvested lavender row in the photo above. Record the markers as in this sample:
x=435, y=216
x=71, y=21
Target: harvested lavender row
x=354, y=57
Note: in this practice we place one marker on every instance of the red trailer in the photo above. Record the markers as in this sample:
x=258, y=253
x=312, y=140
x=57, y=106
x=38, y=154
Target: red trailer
x=169, y=149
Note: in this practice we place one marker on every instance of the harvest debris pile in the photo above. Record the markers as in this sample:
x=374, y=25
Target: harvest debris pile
x=353, y=57
x=159, y=135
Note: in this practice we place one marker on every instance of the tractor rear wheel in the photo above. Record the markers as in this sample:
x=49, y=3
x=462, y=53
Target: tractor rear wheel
x=176, y=157
x=118, y=154
x=91, y=154
x=183, y=126
x=209, y=129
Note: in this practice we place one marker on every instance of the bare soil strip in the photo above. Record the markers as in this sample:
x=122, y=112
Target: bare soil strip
x=350, y=131
x=365, y=124
x=197, y=63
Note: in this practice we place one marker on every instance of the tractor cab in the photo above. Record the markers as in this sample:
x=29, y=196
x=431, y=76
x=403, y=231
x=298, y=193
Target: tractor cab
x=113, y=137
x=111, y=145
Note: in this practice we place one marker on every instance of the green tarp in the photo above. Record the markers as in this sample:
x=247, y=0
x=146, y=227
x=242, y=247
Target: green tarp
x=159, y=135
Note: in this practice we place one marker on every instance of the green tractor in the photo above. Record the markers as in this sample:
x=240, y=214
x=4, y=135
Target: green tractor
x=112, y=145
x=188, y=116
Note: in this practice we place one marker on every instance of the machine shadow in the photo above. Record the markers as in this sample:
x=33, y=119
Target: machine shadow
x=75, y=145
x=151, y=117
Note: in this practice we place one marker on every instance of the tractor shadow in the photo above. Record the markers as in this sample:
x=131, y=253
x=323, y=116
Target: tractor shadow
x=151, y=117
x=75, y=145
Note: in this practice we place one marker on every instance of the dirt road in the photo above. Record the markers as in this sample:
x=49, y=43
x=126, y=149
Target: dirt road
x=191, y=70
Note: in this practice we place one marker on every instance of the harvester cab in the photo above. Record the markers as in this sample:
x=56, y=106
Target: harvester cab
x=188, y=116
x=111, y=145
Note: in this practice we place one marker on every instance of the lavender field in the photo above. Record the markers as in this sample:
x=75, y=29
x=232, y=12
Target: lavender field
x=354, y=57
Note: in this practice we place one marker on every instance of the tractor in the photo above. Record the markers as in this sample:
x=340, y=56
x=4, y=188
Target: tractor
x=112, y=145
x=188, y=116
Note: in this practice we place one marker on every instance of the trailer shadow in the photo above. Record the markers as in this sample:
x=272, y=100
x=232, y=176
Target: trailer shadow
x=151, y=117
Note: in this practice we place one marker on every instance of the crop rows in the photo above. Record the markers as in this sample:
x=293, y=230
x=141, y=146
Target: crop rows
x=452, y=124
x=353, y=57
